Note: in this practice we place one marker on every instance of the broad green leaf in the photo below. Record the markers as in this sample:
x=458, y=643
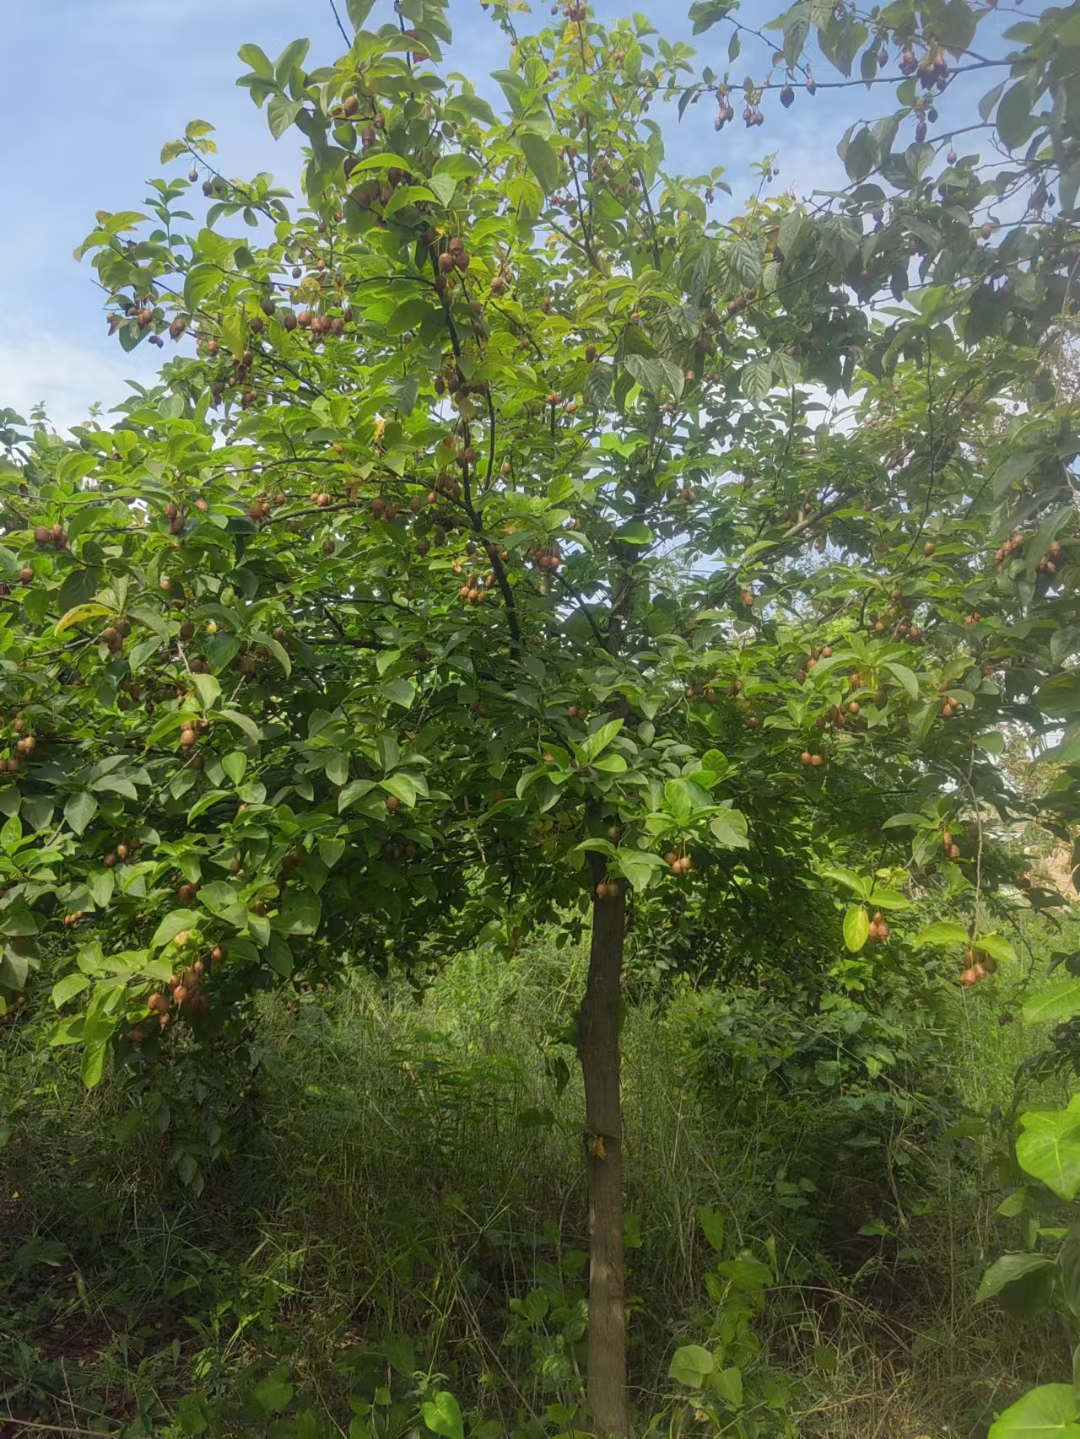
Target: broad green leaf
x=943, y=934
x=1049, y=1147
x=208, y=690
x=300, y=913
x=173, y=924
x=353, y=791
x=402, y=787
x=273, y=1393
x=856, y=927
x=595, y=743
x=905, y=677
x=679, y=800
x=997, y=947
x=241, y=721
x=1055, y=1004
x=358, y=11
x=992, y=743
x=79, y=616
x=68, y=987
x=542, y=160
x=79, y=810
x=1007, y=1270
x=400, y=692
x=728, y=1384
x=222, y=901
x=235, y=765
x=712, y=1226
x=1048, y=1412
x=691, y=1365
x=729, y=829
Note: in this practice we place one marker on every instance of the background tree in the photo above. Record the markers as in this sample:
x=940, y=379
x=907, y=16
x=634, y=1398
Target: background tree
x=484, y=565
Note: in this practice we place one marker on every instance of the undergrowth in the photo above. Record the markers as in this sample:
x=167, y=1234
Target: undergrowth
x=396, y=1211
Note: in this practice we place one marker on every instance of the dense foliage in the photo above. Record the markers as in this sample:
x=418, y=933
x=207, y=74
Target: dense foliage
x=488, y=556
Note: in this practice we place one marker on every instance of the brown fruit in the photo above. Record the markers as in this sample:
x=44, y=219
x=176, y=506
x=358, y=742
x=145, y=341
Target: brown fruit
x=929, y=548
x=392, y=803
x=806, y=757
x=817, y=760
x=187, y=738
x=26, y=575
x=42, y=535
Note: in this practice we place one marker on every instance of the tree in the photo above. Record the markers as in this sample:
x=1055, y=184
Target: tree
x=484, y=565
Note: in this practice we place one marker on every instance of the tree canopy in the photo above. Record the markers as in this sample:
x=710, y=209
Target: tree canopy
x=518, y=535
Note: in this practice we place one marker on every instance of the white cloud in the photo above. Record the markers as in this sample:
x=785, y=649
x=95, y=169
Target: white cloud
x=45, y=368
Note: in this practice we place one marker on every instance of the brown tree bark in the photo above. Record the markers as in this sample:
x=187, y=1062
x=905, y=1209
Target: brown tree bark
x=598, y=1050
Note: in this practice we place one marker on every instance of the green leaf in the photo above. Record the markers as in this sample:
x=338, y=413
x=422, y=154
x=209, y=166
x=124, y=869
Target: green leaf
x=542, y=160
x=280, y=114
x=1047, y=1412
x=635, y=533
x=729, y=1386
x=358, y=11
x=1049, y=1147
x=679, y=800
x=80, y=810
x=192, y=1415
x=712, y=1226
x=300, y=914
x=101, y=883
x=272, y=1393
x=93, y=1061
x=173, y=924
x=400, y=692
x=68, y=987
x=208, y=690
x=442, y=1415
x=1007, y=1270
x=637, y=867
x=856, y=927
x=258, y=60
x=11, y=834
x=235, y=765
x=992, y=743
x=997, y=947
x=595, y=743
x=943, y=934
x=241, y=721
x=1015, y=122
x=756, y=379
x=357, y=789
x=223, y=902
x=402, y=787
x=691, y=1365
x=1058, y=1002
x=80, y=614
x=905, y=677
x=729, y=829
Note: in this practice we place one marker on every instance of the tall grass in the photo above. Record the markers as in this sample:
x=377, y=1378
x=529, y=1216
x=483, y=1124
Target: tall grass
x=413, y=1165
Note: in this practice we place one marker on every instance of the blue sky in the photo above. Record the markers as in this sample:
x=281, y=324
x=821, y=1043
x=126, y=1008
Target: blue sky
x=84, y=131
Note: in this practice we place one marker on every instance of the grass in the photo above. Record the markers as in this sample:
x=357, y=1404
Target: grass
x=411, y=1164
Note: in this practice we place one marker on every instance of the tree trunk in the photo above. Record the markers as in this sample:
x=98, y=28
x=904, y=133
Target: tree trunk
x=598, y=1050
